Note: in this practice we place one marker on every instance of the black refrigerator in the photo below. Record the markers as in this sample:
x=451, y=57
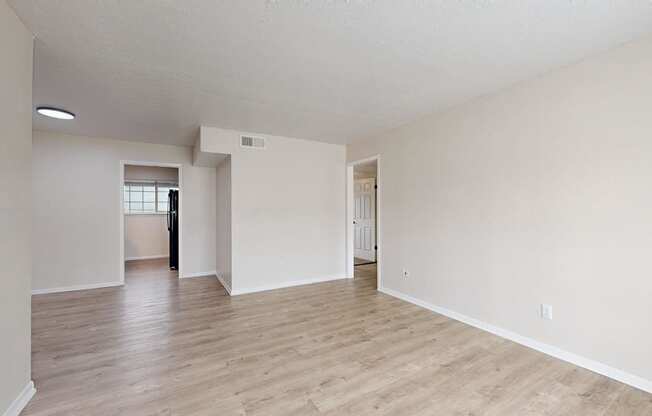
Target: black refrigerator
x=173, y=227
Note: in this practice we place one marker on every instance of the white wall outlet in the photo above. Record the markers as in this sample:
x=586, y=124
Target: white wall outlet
x=546, y=311
x=406, y=273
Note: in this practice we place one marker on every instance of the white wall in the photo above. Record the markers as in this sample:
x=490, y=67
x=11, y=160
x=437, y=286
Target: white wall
x=76, y=219
x=15, y=206
x=155, y=173
x=146, y=236
x=223, y=222
x=538, y=194
x=365, y=170
x=288, y=227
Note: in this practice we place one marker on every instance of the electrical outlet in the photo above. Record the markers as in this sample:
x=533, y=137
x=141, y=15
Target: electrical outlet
x=546, y=311
x=406, y=273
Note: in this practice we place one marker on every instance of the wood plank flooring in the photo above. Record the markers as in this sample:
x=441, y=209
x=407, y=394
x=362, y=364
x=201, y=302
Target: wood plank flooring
x=160, y=346
x=360, y=262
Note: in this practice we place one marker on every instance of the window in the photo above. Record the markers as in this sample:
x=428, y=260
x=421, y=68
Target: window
x=147, y=197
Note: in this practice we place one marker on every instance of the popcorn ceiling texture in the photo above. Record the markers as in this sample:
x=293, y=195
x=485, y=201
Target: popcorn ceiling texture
x=326, y=70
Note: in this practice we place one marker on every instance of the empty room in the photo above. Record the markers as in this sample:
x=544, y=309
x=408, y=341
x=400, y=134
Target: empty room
x=343, y=207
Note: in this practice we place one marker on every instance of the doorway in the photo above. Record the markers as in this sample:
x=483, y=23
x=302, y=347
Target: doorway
x=150, y=226
x=364, y=216
x=363, y=254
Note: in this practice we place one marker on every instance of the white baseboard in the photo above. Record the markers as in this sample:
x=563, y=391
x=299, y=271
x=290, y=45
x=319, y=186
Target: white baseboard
x=74, y=288
x=282, y=285
x=223, y=282
x=21, y=401
x=587, y=363
x=158, y=256
x=198, y=274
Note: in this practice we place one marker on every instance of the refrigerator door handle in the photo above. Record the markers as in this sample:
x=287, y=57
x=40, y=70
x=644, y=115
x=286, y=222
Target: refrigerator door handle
x=169, y=210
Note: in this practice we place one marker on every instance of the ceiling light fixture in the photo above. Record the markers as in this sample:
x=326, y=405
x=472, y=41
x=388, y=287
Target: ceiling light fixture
x=55, y=113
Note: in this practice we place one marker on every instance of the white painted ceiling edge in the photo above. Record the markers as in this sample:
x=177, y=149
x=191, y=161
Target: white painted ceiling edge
x=331, y=71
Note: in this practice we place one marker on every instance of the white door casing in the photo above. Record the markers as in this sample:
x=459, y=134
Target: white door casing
x=364, y=219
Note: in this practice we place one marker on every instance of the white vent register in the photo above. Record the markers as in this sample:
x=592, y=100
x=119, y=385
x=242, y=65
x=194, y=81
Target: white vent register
x=252, y=142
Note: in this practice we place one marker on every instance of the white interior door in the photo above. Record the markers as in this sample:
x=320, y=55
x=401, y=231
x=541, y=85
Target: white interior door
x=364, y=219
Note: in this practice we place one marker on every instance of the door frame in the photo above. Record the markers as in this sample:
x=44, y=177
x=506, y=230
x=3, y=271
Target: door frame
x=350, y=206
x=124, y=163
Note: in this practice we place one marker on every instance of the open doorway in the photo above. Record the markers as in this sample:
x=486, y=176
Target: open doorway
x=150, y=229
x=363, y=212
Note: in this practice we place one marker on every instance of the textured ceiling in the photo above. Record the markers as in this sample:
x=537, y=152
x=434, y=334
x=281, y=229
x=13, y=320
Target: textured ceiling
x=335, y=71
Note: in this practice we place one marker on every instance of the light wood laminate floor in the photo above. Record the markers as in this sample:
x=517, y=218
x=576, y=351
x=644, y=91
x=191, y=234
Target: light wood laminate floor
x=162, y=346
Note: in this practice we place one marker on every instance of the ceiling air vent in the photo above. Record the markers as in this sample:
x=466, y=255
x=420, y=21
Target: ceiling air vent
x=252, y=142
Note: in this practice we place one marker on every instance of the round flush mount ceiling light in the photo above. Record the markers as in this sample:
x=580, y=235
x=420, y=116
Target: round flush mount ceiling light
x=55, y=113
